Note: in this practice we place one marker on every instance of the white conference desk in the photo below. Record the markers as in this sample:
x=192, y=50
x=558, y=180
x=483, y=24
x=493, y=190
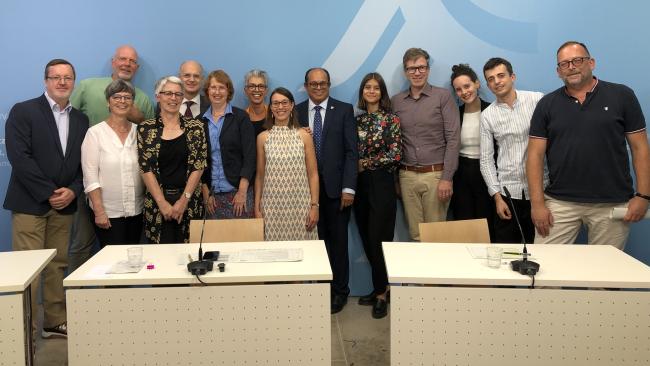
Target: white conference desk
x=449, y=309
x=18, y=270
x=253, y=313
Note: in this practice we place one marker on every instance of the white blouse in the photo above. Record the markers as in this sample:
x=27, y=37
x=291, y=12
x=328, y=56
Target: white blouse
x=470, y=138
x=113, y=167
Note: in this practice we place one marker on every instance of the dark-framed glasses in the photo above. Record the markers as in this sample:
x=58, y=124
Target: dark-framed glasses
x=422, y=69
x=260, y=87
x=318, y=84
x=280, y=103
x=170, y=94
x=576, y=61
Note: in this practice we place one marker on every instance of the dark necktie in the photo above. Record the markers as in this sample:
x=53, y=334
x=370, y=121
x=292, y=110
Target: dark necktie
x=188, y=110
x=318, y=130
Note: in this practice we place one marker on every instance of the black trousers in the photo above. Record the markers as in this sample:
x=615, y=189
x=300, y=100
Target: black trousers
x=506, y=231
x=471, y=199
x=333, y=230
x=375, y=207
x=171, y=232
x=123, y=230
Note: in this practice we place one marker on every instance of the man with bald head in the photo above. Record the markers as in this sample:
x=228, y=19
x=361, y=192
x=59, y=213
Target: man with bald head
x=194, y=103
x=335, y=138
x=89, y=98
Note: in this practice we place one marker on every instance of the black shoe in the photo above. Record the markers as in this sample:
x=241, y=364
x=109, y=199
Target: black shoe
x=338, y=302
x=368, y=300
x=380, y=309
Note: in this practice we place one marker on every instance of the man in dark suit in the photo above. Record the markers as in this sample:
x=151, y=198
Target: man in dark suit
x=43, y=140
x=335, y=138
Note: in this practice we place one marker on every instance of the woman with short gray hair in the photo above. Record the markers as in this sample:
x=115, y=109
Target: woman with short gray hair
x=256, y=85
x=109, y=159
x=172, y=154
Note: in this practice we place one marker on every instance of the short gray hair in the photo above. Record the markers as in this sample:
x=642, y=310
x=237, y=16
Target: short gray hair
x=119, y=86
x=168, y=79
x=257, y=73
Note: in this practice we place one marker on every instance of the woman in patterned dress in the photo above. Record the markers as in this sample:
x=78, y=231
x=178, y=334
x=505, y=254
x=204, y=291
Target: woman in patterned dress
x=286, y=186
x=172, y=155
x=375, y=203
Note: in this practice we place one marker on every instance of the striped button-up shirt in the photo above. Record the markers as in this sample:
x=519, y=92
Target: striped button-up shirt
x=509, y=128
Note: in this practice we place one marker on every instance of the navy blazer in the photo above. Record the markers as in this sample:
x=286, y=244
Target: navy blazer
x=237, y=142
x=339, y=146
x=38, y=163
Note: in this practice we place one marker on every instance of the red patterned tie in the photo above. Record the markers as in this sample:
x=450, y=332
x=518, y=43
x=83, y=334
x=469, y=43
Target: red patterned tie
x=188, y=110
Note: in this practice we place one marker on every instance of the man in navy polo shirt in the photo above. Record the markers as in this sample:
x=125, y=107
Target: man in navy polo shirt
x=582, y=129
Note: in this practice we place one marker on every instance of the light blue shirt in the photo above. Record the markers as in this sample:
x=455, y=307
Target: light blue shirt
x=62, y=119
x=219, y=182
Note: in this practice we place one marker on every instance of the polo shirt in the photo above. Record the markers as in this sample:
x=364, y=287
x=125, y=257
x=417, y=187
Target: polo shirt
x=586, y=146
x=89, y=97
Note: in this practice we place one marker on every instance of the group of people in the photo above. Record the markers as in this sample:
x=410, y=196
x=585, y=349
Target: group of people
x=142, y=172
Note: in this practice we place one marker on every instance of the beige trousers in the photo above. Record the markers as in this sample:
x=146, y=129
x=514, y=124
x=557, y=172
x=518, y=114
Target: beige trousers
x=420, y=199
x=50, y=231
x=568, y=218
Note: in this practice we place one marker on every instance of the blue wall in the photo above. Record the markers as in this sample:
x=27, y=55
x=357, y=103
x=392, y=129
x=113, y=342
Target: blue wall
x=349, y=37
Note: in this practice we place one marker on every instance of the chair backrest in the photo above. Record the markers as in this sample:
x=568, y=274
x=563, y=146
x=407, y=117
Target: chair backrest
x=461, y=231
x=225, y=231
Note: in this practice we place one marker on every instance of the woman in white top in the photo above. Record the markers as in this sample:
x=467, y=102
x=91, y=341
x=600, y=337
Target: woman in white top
x=112, y=180
x=471, y=199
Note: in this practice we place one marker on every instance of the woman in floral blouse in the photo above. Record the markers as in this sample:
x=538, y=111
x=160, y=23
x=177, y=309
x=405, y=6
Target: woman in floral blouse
x=375, y=203
x=172, y=154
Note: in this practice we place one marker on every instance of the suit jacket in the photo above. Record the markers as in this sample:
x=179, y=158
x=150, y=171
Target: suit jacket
x=461, y=109
x=339, y=146
x=39, y=165
x=238, y=150
x=203, y=106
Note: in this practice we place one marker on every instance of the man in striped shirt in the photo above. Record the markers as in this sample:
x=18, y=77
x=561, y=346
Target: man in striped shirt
x=506, y=122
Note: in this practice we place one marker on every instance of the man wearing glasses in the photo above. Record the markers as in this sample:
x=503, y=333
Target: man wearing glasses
x=334, y=131
x=43, y=137
x=89, y=98
x=430, y=137
x=583, y=130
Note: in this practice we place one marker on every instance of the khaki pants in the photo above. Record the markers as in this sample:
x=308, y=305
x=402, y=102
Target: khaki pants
x=50, y=231
x=420, y=199
x=569, y=217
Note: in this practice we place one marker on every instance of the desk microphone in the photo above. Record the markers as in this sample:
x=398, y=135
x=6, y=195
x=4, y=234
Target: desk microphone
x=200, y=266
x=523, y=266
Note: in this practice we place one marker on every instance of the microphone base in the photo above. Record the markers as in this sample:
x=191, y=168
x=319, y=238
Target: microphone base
x=525, y=267
x=198, y=268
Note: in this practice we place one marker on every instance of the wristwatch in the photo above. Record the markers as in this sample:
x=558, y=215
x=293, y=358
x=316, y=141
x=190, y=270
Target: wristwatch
x=637, y=194
x=187, y=195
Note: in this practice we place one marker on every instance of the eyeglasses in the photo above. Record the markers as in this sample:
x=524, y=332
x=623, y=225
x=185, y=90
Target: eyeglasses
x=214, y=88
x=128, y=60
x=318, y=84
x=57, y=79
x=422, y=69
x=121, y=98
x=170, y=94
x=576, y=61
x=278, y=104
x=252, y=87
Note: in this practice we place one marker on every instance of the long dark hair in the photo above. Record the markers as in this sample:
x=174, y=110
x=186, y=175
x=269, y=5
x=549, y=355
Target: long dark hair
x=384, y=101
x=293, y=117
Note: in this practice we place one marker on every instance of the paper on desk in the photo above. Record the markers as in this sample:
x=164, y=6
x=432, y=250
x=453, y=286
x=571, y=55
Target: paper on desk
x=619, y=212
x=266, y=255
x=125, y=267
